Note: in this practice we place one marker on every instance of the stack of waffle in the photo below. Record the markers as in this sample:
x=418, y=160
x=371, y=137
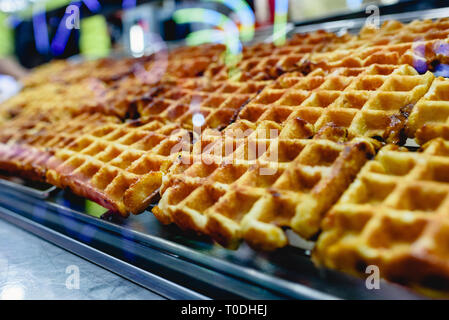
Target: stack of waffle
x=421, y=44
x=283, y=139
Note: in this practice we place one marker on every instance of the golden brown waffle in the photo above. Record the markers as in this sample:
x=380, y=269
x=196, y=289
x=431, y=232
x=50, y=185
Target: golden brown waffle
x=119, y=96
x=105, y=69
x=120, y=166
x=371, y=102
x=58, y=99
x=430, y=116
x=421, y=44
x=187, y=62
x=265, y=61
x=27, y=142
x=214, y=103
x=394, y=32
x=249, y=183
x=183, y=62
x=358, y=87
x=43, y=74
x=88, y=95
x=106, y=85
x=394, y=216
x=422, y=55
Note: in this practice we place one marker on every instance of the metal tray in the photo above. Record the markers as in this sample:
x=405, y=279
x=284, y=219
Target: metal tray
x=38, y=190
x=178, y=264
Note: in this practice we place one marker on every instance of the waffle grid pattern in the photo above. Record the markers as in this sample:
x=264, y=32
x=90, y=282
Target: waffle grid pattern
x=365, y=101
x=393, y=216
x=430, y=117
x=27, y=145
x=265, y=61
x=119, y=165
x=233, y=184
x=216, y=102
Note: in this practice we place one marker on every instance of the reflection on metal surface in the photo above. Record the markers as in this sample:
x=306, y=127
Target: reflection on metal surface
x=32, y=268
x=35, y=189
x=297, y=241
x=145, y=279
x=12, y=292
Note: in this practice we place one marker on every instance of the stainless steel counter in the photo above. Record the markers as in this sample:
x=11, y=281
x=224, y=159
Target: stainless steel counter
x=32, y=268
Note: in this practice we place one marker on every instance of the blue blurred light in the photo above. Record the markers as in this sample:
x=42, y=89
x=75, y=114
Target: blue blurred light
x=41, y=32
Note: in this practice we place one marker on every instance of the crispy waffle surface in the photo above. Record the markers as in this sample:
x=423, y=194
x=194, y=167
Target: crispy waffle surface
x=43, y=74
x=266, y=61
x=394, y=216
x=56, y=99
x=422, y=55
x=29, y=141
x=119, y=165
x=421, y=44
x=180, y=62
x=372, y=102
x=62, y=71
x=106, y=85
x=197, y=103
x=249, y=181
x=357, y=102
x=394, y=32
x=430, y=116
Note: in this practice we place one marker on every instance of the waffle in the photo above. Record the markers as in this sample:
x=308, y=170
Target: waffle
x=421, y=44
x=183, y=62
x=265, y=61
x=27, y=142
x=58, y=99
x=105, y=69
x=394, y=216
x=422, y=55
x=188, y=62
x=216, y=103
x=106, y=85
x=429, y=118
x=88, y=95
x=61, y=71
x=371, y=102
x=249, y=183
x=120, y=166
x=43, y=73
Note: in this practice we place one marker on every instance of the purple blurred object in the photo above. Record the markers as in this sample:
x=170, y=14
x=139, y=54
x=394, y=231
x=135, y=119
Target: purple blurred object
x=442, y=70
x=420, y=65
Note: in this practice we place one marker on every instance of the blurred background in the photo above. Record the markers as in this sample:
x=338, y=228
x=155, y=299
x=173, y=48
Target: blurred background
x=33, y=32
